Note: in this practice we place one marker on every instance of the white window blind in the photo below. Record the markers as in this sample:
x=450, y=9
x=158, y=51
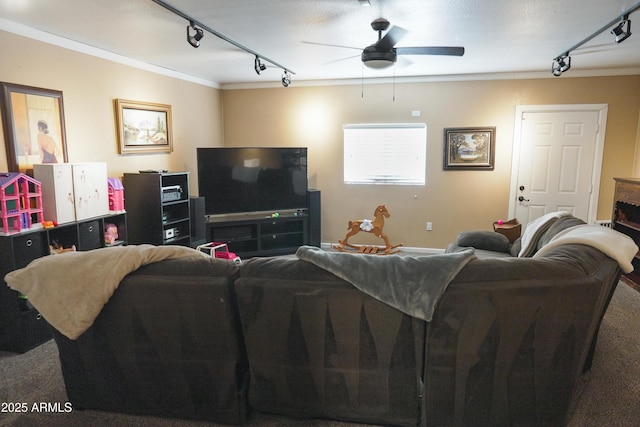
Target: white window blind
x=385, y=153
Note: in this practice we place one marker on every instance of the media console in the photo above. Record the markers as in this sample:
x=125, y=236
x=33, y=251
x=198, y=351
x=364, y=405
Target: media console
x=267, y=234
x=260, y=235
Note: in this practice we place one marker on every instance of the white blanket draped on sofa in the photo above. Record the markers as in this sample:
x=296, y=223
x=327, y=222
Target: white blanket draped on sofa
x=70, y=289
x=614, y=244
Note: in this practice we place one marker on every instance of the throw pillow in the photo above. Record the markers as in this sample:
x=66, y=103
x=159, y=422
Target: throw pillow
x=488, y=240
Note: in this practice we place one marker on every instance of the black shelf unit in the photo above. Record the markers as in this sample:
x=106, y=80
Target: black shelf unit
x=158, y=208
x=21, y=326
x=260, y=235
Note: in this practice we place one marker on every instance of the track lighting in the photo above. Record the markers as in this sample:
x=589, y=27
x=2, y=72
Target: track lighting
x=620, y=31
x=258, y=66
x=194, y=40
x=561, y=64
x=286, y=78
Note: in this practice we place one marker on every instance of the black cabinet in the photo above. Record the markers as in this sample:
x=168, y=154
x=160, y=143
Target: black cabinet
x=157, y=207
x=21, y=326
x=260, y=235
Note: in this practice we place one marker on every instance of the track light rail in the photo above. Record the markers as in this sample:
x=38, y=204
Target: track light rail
x=623, y=15
x=219, y=35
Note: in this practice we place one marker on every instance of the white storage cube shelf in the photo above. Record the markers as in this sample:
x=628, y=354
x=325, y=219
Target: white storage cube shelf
x=73, y=191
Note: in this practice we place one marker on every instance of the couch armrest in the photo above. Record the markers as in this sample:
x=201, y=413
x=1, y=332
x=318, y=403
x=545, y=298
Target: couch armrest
x=486, y=240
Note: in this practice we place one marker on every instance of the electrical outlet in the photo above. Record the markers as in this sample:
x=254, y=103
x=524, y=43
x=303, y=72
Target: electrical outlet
x=429, y=226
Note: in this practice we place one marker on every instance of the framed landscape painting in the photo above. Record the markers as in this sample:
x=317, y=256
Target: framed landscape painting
x=33, y=122
x=143, y=127
x=469, y=148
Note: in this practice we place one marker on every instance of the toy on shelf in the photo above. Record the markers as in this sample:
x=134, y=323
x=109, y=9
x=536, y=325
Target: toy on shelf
x=110, y=234
x=116, y=194
x=219, y=250
x=374, y=227
x=20, y=202
x=56, y=248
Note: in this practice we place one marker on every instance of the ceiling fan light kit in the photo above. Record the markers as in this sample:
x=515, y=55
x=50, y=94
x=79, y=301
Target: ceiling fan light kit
x=373, y=58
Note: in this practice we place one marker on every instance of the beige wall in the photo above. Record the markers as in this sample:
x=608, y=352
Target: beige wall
x=452, y=200
x=313, y=117
x=90, y=85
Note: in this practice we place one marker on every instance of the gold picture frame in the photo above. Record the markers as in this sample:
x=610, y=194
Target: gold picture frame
x=33, y=122
x=143, y=127
x=471, y=148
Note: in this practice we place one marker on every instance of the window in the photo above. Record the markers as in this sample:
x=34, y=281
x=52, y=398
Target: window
x=393, y=154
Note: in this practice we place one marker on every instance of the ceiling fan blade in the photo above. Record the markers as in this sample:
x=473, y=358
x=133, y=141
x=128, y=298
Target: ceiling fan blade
x=331, y=45
x=431, y=50
x=341, y=59
x=403, y=62
x=393, y=36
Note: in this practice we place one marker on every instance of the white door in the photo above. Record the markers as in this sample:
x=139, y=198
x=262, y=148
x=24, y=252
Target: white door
x=558, y=163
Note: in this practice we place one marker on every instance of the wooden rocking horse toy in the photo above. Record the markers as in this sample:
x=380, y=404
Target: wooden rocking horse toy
x=375, y=227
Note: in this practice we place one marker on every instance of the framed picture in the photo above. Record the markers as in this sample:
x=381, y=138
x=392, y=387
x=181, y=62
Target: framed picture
x=33, y=122
x=469, y=148
x=143, y=127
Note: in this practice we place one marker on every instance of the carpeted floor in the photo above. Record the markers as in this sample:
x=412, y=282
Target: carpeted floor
x=605, y=396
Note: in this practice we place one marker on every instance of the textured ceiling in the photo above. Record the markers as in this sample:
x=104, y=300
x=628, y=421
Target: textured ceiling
x=500, y=36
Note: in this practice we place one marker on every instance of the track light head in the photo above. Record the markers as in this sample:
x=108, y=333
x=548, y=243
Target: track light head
x=286, y=79
x=258, y=66
x=561, y=64
x=194, y=40
x=623, y=30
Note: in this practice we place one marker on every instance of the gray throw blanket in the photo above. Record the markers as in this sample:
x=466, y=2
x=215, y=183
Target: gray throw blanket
x=410, y=284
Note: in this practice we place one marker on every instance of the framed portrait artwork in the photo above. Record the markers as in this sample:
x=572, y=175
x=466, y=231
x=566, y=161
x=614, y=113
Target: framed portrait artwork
x=143, y=127
x=469, y=148
x=33, y=122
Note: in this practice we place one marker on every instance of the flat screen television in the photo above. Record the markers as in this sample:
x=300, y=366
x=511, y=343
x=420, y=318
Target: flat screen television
x=243, y=180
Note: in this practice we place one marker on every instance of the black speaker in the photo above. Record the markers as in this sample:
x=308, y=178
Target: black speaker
x=313, y=209
x=198, y=221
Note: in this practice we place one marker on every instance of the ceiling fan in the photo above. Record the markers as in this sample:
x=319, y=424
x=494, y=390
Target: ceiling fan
x=383, y=53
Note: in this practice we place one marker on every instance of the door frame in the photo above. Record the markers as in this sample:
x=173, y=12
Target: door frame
x=601, y=109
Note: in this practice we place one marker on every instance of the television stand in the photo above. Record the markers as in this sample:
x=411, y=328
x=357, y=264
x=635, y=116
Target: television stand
x=262, y=235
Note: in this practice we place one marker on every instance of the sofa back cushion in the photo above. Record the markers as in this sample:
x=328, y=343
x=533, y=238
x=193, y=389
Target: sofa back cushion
x=511, y=337
x=318, y=347
x=167, y=343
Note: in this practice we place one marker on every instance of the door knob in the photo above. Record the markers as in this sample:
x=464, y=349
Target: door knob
x=522, y=199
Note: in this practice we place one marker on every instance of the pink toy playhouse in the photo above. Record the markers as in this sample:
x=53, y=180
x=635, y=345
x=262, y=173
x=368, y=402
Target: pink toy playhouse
x=116, y=194
x=20, y=202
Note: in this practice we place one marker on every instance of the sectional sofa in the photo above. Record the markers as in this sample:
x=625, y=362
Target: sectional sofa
x=201, y=338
